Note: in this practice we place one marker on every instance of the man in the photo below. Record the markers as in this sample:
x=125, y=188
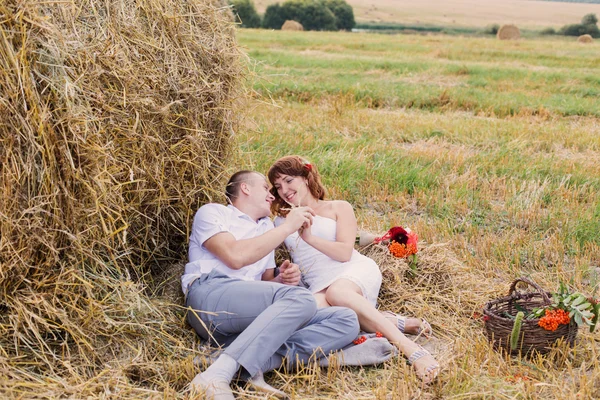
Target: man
x=237, y=301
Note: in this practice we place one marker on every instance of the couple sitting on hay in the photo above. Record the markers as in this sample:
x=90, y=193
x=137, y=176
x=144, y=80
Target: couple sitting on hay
x=265, y=321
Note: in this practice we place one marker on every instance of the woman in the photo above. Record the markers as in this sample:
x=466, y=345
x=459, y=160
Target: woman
x=333, y=270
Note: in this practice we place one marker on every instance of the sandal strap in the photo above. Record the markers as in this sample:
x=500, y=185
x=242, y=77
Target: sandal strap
x=400, y=320
x=425, y=329
x=431, y=368
x=401, y=323
x=418, y=354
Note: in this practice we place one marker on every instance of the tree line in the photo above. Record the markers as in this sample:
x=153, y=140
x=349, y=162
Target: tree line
x=314, y=15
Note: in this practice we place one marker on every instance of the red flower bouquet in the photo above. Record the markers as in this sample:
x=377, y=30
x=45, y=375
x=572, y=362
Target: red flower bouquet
x=403, y=242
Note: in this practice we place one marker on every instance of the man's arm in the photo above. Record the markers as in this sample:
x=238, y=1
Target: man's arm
x=237, y=254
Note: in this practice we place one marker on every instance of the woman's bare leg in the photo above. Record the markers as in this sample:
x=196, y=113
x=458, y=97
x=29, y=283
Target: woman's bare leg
x=321, y=299
x=345, y=293
x=411, y=325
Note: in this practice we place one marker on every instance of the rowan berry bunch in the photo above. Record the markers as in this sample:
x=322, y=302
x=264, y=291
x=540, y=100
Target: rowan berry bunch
x=359, y=340
x=553, y=319
x=566, y=307
x=402, y=250
x=362, y=339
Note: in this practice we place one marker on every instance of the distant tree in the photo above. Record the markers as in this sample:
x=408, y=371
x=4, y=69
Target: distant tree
x=312, y=14
x=344, y=14
x=588, y=26
x=548, y=31
x=580, y=29
x=273, y=18
x=491, y=29
x=593, y=31
x=589, y=19
x=245, y=13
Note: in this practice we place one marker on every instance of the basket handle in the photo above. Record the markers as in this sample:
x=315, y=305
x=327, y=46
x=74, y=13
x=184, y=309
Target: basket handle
x=513, y=288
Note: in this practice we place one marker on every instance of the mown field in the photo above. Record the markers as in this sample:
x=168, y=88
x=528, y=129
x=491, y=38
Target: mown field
x=471, y=13
x=489, y=150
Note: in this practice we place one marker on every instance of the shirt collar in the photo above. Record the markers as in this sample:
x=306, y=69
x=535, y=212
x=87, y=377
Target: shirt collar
x=242, y=215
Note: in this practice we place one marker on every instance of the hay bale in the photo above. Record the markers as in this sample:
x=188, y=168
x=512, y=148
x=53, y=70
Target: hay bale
x=291, y=25
x=585, y=38
x=508, y=32
x=116, y=121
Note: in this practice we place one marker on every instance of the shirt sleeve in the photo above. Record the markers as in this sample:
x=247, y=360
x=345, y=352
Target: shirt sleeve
x=209, y=220
x=271, y=262
x=279, y=221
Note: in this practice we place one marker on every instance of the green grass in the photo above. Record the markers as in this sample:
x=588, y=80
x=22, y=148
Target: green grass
x=429, y=72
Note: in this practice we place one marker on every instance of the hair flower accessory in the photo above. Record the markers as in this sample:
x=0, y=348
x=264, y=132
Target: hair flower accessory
x=308, y=166
x=403, y=241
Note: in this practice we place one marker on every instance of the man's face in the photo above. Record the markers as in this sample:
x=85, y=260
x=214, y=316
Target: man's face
x=259, y=196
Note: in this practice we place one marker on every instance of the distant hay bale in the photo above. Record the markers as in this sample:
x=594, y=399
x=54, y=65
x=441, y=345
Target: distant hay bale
x=291, y=25
x=585, y=38
x=116, y=124
x=508, y=32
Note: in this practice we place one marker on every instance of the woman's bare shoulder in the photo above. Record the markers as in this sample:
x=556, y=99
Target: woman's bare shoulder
x=340, y=207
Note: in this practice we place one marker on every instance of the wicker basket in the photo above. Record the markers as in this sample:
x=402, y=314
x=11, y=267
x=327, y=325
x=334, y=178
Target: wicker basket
x=498, y=326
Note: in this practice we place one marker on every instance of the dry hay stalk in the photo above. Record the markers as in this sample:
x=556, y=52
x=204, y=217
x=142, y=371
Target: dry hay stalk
x=585, y=38
x=508, y=32
x=116, y=121
x=291, y=25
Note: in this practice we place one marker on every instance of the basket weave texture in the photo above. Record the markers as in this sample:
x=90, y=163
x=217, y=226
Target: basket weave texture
x=498, y=324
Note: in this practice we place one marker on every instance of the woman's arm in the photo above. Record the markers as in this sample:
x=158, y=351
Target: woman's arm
x=341, y=249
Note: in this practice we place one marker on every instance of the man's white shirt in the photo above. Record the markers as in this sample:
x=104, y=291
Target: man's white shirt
x=211, y=219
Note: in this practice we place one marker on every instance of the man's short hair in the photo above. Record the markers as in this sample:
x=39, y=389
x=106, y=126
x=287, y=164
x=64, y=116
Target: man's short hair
x=232, y=190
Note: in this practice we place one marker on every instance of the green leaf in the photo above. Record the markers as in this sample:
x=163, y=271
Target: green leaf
x=520, y=307
x=578, y=300
x=584, y=306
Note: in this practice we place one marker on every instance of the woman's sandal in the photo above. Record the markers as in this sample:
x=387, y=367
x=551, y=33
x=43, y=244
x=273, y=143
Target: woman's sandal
x=430, y=372
x=425, y=328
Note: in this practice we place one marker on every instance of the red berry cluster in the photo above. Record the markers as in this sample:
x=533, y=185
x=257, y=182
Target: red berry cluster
x=402, y=250
x=553, y=319
x=359, y=340
x=362, y=339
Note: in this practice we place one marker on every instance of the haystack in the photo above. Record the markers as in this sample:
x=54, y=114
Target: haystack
x=508, y=32
x=116, y=121
x=291, y=25
x=585, y=38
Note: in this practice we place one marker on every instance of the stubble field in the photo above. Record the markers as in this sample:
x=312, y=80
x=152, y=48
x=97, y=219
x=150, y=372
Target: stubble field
x=457, y=13
x=489, y=150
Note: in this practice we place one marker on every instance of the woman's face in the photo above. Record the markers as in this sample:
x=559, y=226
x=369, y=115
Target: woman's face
x=292, y=189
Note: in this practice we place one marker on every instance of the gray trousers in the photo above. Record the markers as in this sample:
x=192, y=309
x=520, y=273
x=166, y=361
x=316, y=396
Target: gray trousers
x=263, y=323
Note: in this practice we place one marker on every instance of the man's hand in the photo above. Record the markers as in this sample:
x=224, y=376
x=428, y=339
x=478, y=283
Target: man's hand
x=298, y=217
x=289, y=273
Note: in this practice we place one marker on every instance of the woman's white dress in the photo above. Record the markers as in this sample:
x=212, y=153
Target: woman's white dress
x=319, y=270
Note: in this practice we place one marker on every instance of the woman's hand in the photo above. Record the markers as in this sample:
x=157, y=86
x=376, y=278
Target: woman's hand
x=298, y=217
x=305, y=232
